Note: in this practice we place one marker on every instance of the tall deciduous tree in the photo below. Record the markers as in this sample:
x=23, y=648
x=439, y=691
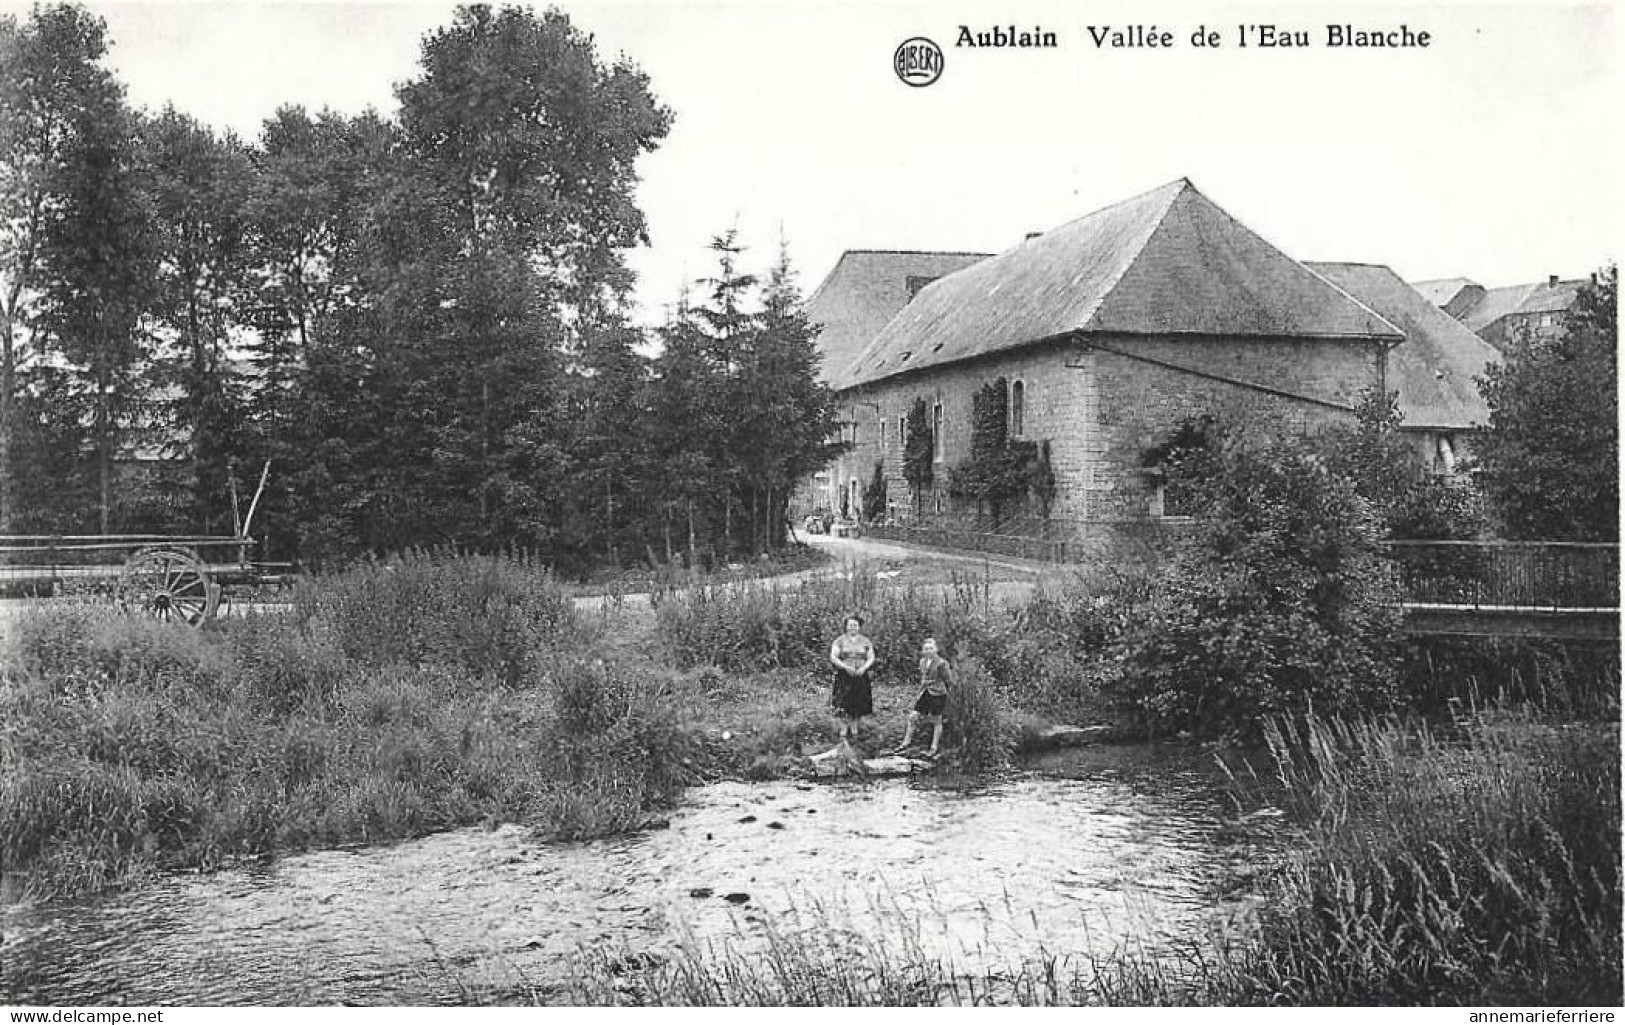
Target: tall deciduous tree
x=1550, y=460
x=56, y=105
x=494, y=247
x=93, y=261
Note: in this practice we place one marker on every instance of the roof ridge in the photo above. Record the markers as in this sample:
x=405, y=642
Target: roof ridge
x=911, y=252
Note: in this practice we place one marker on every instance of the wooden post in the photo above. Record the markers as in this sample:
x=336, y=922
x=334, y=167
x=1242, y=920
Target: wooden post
x=255, y=504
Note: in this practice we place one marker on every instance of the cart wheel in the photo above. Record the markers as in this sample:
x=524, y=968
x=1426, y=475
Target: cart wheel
x=169, y=584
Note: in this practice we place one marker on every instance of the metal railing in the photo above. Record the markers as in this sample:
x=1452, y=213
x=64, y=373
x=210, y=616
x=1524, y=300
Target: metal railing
x=1509, y=574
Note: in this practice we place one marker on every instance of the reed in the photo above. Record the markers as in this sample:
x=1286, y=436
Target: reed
x=1480, y=865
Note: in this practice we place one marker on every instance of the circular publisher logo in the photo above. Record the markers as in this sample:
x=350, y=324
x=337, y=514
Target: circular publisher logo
x=918, y=61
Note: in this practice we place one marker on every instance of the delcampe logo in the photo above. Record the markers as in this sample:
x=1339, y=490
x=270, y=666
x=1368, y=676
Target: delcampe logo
x=918, y=61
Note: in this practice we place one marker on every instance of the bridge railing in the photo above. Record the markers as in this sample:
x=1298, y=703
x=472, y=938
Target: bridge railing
x=1509, y=574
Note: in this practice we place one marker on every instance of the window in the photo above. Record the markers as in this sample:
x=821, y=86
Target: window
x=882, y=434
x=902, y=431
x=936, y=432
x=1018, y=408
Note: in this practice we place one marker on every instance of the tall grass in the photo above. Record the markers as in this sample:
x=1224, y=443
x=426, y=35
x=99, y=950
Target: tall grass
x=1478, y=868
x=812, y=956
x=384, y=705
x=486, y=614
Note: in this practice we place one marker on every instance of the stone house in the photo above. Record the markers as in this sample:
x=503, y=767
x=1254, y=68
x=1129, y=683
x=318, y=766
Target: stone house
x=860, y=295
x=1500, y=316
x=1112, y=333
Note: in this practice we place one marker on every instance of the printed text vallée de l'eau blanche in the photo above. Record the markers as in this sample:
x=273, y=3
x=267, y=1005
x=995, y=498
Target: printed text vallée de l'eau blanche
x=1155, y=37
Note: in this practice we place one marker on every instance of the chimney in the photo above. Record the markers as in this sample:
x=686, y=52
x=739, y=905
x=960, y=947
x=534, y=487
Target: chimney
x=1551, y=282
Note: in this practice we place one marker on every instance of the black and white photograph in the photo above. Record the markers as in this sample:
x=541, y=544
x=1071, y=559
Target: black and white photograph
x=648, y=503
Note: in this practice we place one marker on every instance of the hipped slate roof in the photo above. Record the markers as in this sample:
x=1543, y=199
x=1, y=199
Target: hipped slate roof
x=1168, y=262
x=1433, y=369
x=865, y=290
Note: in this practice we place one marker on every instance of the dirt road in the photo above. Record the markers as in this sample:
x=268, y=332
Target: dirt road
x=1014, y=577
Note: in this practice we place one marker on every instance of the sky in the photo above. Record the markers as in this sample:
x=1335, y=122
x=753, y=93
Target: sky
x=1490, y=154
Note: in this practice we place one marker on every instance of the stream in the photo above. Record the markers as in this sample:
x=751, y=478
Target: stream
x=1084, y=853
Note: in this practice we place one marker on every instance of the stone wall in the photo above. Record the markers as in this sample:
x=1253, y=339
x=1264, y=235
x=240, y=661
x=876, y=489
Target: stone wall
x=1101, y=406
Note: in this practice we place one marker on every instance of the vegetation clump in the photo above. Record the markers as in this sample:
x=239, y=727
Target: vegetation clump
x=389, y=702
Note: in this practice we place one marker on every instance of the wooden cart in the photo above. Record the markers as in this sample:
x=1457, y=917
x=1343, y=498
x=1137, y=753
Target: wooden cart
x=172, y=578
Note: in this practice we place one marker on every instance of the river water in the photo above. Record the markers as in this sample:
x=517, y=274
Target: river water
x=1087, y=853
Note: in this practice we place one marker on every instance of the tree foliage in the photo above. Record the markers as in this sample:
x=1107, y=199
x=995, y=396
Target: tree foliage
x=421, y=322
x=1412, y=502
x=1279, y=601
x=75, y=260
x=1549, y=462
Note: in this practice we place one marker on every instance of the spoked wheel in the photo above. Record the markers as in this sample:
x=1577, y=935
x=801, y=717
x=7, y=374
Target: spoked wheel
x=169, y=584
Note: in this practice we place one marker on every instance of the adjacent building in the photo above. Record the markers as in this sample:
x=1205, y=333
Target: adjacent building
x=860, y=296
x=1433, y=371
x=1501, y=316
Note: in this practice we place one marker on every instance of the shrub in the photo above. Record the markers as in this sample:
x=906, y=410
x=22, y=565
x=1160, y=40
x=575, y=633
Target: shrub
x=486, y=614
x=616, y=748
x=979, y=729
x=1279, y=601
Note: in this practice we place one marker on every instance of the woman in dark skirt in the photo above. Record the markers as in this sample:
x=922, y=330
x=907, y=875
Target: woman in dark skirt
x=852, y=655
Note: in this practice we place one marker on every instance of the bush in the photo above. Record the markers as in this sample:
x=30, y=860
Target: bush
x=617, y=749
x=1279, y=601
x=486, y=614
x=980, y=731
x=132, y=745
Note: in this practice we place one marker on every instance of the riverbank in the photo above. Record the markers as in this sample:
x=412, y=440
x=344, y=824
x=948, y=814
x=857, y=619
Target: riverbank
x=392, y=702
x=406, y=700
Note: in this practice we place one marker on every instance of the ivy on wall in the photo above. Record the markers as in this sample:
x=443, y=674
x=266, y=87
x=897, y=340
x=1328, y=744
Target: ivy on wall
x=999, y=471
x=918, y=450
x=874, y=496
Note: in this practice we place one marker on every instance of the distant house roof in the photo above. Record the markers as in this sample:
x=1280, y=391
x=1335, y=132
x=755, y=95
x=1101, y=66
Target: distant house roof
x=1165, y=262
x=865, y=289
x=1440, y=291
x=1433, y=369
x=1551, y=296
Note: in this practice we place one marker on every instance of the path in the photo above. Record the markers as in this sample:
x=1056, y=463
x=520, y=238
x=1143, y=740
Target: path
x=844, y=552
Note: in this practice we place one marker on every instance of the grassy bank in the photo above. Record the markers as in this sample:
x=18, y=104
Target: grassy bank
x=388, y=702
x=1476, y=868
x=429, y=692
x=1476, y=862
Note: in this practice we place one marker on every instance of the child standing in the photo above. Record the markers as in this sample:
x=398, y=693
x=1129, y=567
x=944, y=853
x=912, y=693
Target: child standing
x=936, y=676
